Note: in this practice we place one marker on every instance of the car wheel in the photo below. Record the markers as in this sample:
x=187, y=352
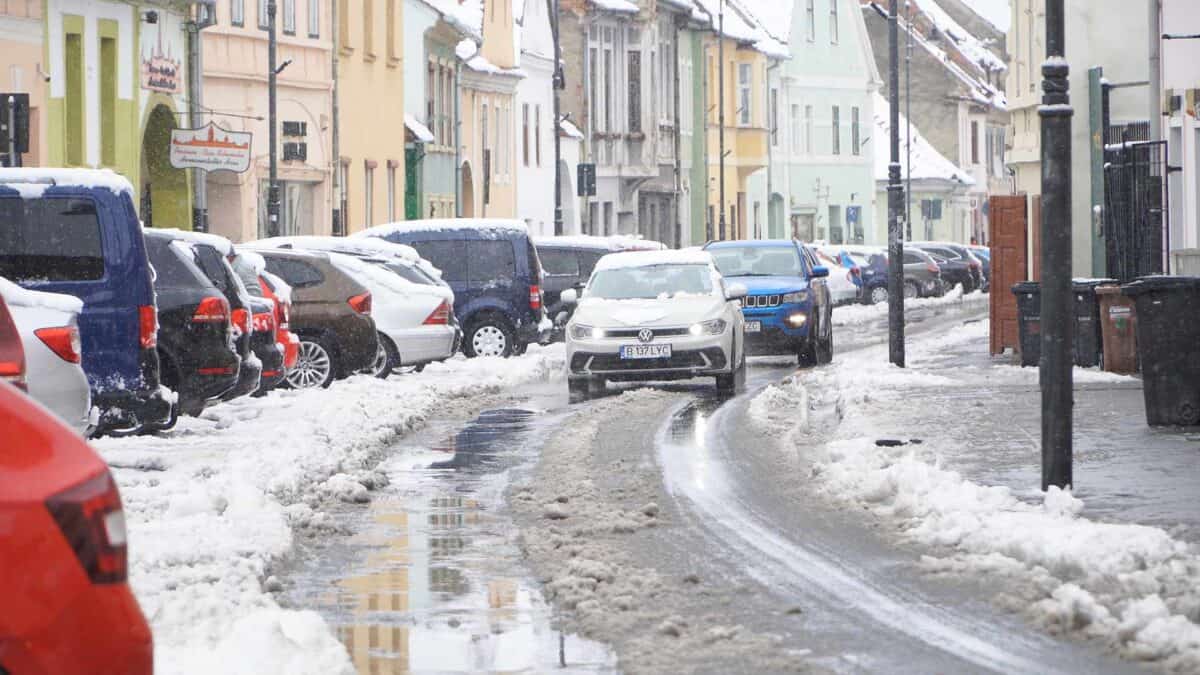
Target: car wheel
x=386, y=358
x=825, y=348
x=314, y=367
x=911, y=290
x=879, y=294
x=733, y=383
x=489, y=335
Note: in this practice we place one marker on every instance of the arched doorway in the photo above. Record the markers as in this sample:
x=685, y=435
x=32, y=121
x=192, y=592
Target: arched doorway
x=468, y=192
x=164, y=189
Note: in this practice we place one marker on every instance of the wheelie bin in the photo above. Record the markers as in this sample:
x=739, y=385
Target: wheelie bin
x=1168, y=345
x=1118, y=319
x=1029, y=320
x=1088, y=337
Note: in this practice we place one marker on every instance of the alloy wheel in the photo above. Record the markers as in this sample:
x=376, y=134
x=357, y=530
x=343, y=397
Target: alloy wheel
x=879, y=294
x=312, y=367
x=380, y=362
x=489, y=341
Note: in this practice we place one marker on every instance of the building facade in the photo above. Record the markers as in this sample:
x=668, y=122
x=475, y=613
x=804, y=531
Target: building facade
x=1181, y=129
x=23, y=69
x=534, y=121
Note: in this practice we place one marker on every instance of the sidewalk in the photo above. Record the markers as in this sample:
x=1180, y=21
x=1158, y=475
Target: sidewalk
x=1117, y=559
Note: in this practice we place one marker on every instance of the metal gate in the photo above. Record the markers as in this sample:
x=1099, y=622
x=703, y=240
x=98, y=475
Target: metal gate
x=1135, y=205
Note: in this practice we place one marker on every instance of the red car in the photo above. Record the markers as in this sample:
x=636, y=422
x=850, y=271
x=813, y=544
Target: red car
x=288, y=340
x=65, y=604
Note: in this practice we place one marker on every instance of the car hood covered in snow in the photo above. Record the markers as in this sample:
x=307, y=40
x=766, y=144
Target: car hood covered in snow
x=676, y=311
x=770, y=285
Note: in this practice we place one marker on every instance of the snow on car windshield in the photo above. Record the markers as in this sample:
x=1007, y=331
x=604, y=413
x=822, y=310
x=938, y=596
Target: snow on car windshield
x=651, y=281
x=757, y=261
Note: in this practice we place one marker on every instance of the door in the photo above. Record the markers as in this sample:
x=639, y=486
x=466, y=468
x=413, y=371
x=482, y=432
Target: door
x=1008, y=227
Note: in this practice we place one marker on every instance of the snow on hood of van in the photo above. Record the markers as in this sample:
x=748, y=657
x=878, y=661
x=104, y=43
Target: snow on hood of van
x=23, y=297
x=215, y=240
x=86, y=178
x=645, y=258
x=484, y=225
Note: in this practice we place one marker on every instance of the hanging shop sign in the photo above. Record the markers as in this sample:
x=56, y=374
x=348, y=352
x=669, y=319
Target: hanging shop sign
x=162, y=67
x=210, y=148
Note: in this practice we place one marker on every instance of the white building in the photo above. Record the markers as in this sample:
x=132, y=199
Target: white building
x=1181, y=92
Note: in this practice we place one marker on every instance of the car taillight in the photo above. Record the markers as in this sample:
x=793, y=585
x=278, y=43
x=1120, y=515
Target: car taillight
x=361, y=303
x=148, y=326
x=440, y=316
x=241, y=320
x=92, y=521
x=63, y=341
x=535, y=297
x=283, y=316
x=213, y=309
x=933, y=268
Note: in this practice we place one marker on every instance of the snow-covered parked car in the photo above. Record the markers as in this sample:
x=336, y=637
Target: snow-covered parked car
x=655, y=315
x=841, y=283
x=49, y=327
x=413, y=320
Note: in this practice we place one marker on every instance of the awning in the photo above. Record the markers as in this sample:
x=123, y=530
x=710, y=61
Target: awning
x=420, y=132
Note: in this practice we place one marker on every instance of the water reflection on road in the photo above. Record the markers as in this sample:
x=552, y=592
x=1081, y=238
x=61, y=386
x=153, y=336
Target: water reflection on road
x=431, y=581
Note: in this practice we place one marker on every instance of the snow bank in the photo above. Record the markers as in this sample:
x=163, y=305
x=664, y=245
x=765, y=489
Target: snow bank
x=1133, y=586
x=857, y=315
x=213, y=503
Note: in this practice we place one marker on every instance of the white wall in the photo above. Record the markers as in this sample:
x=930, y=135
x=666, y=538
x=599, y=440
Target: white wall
x=418, y=18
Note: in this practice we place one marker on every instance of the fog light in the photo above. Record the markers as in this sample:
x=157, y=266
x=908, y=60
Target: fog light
x=797, y=320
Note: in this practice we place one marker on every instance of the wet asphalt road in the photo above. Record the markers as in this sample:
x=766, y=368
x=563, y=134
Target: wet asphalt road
x=427, y=577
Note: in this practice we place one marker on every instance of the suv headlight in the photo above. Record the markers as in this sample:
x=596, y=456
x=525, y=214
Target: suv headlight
x=582, y=332
x=798, y=296
x=713, y=327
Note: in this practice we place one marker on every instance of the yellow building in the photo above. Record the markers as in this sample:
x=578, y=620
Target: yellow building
x=488, y=99
x=371, y=111
x=743, y=101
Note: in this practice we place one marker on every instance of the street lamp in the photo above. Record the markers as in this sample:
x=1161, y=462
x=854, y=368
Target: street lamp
x=1057, y=321
x=895, y=202
x=558, y=84
x=272, y=75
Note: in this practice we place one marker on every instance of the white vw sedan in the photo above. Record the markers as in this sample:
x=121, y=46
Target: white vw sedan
x=655, y=315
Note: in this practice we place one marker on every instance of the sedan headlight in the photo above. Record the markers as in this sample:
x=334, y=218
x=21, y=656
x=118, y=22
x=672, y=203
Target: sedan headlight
x=713, y=327
x=582, y=332
x=798, y=296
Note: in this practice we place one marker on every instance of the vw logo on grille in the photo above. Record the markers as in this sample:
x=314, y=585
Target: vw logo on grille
x=645, y=335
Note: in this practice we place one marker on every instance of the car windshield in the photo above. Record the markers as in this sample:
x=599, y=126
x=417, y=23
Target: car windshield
x=651, y=281
x=757, y=261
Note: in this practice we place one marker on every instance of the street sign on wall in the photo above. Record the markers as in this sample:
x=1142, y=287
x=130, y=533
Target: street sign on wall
x=210, y=148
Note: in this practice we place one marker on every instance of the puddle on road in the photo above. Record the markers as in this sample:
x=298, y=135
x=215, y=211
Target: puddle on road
x=431, y=581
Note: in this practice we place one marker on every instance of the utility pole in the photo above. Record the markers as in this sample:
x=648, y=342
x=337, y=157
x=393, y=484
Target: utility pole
x=202, y=17
x=895, y=202
x=721, y=115
x=908, y=235
x=272, y=75
x=558, y=84
x=1056, y=311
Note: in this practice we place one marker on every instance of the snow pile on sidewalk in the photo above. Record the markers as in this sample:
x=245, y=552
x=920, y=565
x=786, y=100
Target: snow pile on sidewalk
x=857, y=315
x=213, y=503
x=1133, y=586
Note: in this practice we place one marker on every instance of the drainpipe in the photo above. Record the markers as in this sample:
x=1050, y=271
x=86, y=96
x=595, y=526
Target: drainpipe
x=678, y=125
x=557, y=85
x=771, y=131
x=458, y=210
x=339, y=228
x=202, y=17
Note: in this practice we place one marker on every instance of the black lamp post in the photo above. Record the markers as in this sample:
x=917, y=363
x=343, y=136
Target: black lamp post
x=895, y=202
x=273, y=178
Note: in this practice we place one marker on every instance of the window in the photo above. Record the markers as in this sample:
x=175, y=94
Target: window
x=635, y=92
x=836, y=148
x=297, y=273
x=289, y=17
x=608, y=84
x=490, y=260
x=483, y=127
x=593, y=89
x=743, y=112
x=52, y=239
x=608, y=214
x=833, y=22
x=369, y=193
x=392, y=53
x=448, y=256
x=433, y=103
x=237, y=12
x=685, y=95
x=525, y=133
x=73, y=102
x=537, y=134
x=314, y=18
x=368, y=28
x=854, y=131
x=263, y=19
x=974, y=142
x=808, y=129
x=810, y=13
x=499, y=153
x=795, y=130
x=773, y=123
x=391, y=191
x=559, y=262
x=108, y=98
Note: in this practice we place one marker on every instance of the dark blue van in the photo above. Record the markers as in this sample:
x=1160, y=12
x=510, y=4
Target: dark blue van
x=493, y=269
x=75, y=231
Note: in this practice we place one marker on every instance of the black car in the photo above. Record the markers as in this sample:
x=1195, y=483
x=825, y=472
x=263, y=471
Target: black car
x=568, y=263
x=195, y=341
x=263, y=337
x=958, y=265
x=214, y=265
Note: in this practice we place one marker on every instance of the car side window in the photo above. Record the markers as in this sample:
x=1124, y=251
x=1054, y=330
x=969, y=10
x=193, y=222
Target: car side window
x=297, y=273
x=945, y=253
x=209, y=261
x=449, y=256
x=587, y=263
x=912, y=258
x=559, y=262
x=490, y=260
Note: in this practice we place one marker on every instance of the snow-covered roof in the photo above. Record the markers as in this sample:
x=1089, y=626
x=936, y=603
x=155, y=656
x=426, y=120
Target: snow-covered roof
x=419, y=130
x=623, y=6
x=927, y=162
x=644, y=258
x=465, y=17
x=473, y=58
x=971, y=46
x=973, y=84
x=16, y=296
x=215, y=240
x=774, y=16
x=615, y=242
x=31, y=182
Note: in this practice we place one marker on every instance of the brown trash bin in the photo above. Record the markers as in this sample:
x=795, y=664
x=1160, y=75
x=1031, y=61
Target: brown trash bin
x=1118, y=324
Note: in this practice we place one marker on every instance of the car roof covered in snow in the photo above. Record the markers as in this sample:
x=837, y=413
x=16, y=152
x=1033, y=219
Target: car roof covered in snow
x=741, y=243
x=215, y=240
x=615, y=242
x=646, y=258
x=481, y=225
x=30, y=183
x=364, y=245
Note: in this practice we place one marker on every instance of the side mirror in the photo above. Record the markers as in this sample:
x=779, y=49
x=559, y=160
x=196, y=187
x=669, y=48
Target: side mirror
x=569, y=297
x=736, y=291
x=820, y=271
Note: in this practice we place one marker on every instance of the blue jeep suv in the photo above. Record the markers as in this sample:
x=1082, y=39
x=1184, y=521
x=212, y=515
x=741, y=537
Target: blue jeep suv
x=788, y=309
